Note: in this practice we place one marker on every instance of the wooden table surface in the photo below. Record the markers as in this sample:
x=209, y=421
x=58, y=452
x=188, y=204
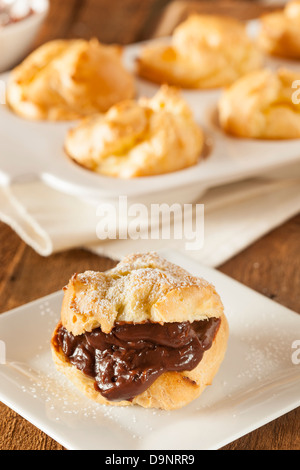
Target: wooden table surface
x=269, y=266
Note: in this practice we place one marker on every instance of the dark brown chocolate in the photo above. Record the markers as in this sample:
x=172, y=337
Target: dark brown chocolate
x=125, y=362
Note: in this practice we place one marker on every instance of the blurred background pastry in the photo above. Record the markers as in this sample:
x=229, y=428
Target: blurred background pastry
x=280, y=31
x=138, y=138
x=206, y=51
x=261, y=106
x=68, y=79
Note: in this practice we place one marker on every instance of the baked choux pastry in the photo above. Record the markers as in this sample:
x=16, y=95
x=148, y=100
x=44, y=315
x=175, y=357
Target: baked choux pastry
x=69, y=79
x=206, y=51
x=279, y=35
x=138, y=138
x=260, y=105
x=144, y=333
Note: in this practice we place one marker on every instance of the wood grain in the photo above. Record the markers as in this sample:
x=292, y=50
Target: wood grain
x=117, y=21
x=270, y=266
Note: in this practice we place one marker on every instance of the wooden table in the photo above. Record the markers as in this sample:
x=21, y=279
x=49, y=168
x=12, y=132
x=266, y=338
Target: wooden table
x=270, y=266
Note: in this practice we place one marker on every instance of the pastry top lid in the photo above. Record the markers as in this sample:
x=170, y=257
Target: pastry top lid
x=142, y=287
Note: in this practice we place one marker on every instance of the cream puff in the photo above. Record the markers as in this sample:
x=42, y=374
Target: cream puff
x=279, y=34
x=69, y=79
x=206, y=51
x=144, y=333
x=138, y=138
x=260, y=105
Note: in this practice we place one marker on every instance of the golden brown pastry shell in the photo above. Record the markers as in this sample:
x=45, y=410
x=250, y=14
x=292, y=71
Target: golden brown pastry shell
x=279, y=34
x=69, y=79
x=205, y=51
x=260, y=105
x=143, y=287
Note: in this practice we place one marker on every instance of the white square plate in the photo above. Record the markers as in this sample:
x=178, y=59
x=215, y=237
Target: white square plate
x=256, y=383
x=37, y=152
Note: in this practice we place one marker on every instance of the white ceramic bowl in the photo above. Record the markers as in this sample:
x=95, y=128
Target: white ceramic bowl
x=17, y=38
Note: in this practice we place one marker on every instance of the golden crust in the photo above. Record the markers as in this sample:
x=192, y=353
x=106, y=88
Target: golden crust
x=206, y=51
x=279, y=34
x=260, y=105
x=170, y=391
x=68, y=79
x=142, y=287
x=138, y=138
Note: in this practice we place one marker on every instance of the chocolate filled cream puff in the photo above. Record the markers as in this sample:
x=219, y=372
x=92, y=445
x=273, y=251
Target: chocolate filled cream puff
x=206, y=51
x=144, y=333
x=69, y=79
x=138, y=138
x=279, y=33
x=261, y=105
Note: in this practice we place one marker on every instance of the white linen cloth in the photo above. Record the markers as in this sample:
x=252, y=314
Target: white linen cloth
x=235, y=216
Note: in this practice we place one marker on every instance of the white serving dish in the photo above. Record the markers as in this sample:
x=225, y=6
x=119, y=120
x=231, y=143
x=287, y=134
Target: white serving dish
x=257, y=381
x=37, y=152
x=17, y=38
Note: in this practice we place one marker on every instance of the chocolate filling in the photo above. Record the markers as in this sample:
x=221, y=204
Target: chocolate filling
x=125, y=362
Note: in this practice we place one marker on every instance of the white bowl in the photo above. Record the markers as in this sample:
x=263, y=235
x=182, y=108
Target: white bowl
x=17, y=38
